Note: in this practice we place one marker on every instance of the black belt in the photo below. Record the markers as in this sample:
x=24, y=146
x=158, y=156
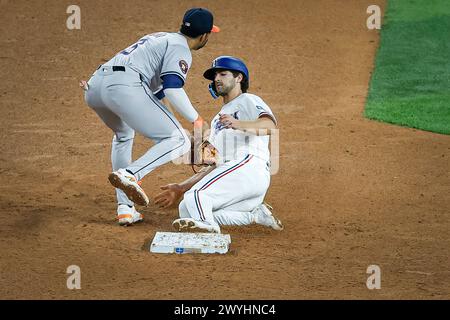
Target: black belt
x=114, y=68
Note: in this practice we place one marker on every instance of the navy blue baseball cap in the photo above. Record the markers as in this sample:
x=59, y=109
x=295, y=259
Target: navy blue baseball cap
x=197, y=21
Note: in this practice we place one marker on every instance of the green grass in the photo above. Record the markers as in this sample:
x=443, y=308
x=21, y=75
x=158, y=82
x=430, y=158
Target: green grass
x=410, y=85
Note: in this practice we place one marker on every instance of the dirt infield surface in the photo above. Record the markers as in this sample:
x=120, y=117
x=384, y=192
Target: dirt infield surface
x=351, y=192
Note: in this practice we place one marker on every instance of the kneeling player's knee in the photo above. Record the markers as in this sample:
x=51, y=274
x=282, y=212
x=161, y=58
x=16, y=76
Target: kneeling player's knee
x=189, y=196
x=183, y=210
x=191, y=199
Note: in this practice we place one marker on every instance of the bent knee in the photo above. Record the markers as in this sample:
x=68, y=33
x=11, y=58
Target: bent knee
x=183, y=142
x=189, y=196
x=186, y=147
x=183, y=210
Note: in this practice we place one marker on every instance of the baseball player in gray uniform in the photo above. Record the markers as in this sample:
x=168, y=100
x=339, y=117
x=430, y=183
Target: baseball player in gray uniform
x=127, y=92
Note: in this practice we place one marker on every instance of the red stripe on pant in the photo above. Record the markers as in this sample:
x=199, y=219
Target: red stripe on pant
x=223, y=174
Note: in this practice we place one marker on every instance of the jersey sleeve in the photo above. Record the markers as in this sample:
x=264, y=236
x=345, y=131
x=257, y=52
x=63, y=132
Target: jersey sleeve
x=177, y=61
x=257, y=108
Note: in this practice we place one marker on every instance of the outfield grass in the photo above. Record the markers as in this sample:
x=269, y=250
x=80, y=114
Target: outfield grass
x=410, y=85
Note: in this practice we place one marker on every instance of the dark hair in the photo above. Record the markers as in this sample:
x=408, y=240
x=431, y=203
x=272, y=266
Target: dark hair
x=187, y=34
x=244, y=82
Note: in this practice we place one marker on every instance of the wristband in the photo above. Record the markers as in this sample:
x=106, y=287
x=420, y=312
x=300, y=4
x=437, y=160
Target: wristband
x=198, y=123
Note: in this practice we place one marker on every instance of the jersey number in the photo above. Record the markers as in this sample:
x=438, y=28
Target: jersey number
x=133, y=47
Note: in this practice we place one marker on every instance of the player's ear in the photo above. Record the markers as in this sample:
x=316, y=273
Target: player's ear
x=203, y=37
x=239, y=78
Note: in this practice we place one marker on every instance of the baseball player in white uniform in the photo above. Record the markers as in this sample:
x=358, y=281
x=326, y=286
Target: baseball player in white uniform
x=232, y=191
x=127, y=93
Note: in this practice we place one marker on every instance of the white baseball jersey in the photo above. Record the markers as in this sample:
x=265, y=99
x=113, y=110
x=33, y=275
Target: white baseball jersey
x=156, y=55
x=233, y=144
x=229, y=193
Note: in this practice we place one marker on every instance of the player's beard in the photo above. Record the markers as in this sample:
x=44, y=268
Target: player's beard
x=224, y=89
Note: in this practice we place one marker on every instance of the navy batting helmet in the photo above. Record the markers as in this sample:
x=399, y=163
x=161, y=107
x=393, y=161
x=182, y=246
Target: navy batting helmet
x=227, y=63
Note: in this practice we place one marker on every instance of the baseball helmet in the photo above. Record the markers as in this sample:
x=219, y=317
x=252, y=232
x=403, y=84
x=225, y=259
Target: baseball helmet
x=225, y=63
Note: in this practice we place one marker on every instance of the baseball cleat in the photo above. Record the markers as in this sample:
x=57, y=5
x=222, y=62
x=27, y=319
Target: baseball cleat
x=191, y=225
x=263, y=215
x=126, y=182
x=127, y=215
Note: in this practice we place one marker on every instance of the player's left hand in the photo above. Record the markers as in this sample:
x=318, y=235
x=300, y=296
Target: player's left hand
x=83, y=85
x=228, y=121
x=170, y=196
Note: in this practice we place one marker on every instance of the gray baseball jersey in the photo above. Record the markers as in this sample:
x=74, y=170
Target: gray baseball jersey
x=156, y=55
x=127, y=104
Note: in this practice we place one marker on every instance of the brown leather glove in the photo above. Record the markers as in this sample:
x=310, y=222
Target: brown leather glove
x=204, y=154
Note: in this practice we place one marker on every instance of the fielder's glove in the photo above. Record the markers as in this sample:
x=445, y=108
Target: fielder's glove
x=203, y=154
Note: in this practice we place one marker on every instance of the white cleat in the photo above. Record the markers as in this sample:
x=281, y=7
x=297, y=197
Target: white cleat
x=126, y=182
x=128, y=215
x=263, y=215
x=191, y=225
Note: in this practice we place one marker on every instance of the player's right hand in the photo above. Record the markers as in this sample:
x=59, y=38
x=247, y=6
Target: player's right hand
x=170, y=196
